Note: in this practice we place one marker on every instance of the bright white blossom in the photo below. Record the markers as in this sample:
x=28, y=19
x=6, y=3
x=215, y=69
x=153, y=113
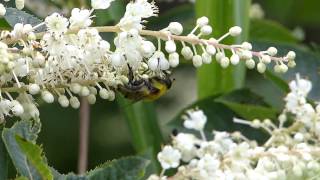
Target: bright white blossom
x=80, y=18
x=57, y=23
x=291, y=152
x=169, y=157
x=70, y=59
x=195, y=119
x=101, y=4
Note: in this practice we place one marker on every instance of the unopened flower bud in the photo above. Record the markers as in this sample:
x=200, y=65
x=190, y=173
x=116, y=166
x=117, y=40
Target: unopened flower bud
x=63, y=101
x=235, y=59
x=197, y=60
x=225, y=62
x=33, y=89
x=187, y=52
x=103, y=93
x=202, y=21
x=19, y=4
x=283, y=68
x=47, y=96
x=246, y=45
x=246, y=54
x=206, y=58
x=291, y=63
x=219, y=56
x=174, y=59
x=112, y=96
x=250, y=63
x=272, y=51
x=235, y=31
x=74, y=102
x=211, y=50
x=91, y=99
x=256, y=123
x=266, y=59
x=291, y=55
x=170, y=46
x=206, y=30
x=175, y=28
x=75, y=88
x=17, y=108
x=84, y=91
x=261, y=67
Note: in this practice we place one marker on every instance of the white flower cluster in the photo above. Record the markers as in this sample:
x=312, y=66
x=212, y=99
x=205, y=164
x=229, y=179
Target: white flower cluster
x=71, y=59
x=19, y=5
x=291, y=152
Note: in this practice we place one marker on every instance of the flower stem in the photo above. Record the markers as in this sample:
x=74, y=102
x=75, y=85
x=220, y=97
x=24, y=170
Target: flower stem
x=83, y=135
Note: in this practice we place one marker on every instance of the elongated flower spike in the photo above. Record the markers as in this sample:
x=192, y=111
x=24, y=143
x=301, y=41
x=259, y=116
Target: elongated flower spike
x=70, y=59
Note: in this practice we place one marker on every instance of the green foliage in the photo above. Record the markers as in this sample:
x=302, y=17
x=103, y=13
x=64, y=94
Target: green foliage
x=14, y=16
x=213, y=79
x=34, y=157
x=221, y=109
x=121, y=169
x=130, y=168
x=303, y=13
x=31, y=164
x=247, y=105
x=112, y=15
x=270, y=31
x=143, y=124
x=28, y=131
x=3, y=159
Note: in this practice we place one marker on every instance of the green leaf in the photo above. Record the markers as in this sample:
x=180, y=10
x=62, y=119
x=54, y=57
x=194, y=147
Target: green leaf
x=3, y=159
x=223, y=14
x=142, y=121
x=184, y=14
x=270, y=31
x=302, y=13
x=129, y=168
x=14, y=16
x=122, y=169
x=220, y=111
x=21, y=178
x=113, y=14
x=28, y=130
x=248, y=105
x=34, y=157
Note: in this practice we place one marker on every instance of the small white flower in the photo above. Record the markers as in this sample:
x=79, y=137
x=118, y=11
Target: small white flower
x=155, y=177
x=158, y=62
x=169, y=157
x=101, y=4
x=2, y=10
x=207, y=166
x=300, y=86
x=186, y=144
x=17, y=108
x=80, y=18
x=57, y=23
x=141, y=9
x=195, y=119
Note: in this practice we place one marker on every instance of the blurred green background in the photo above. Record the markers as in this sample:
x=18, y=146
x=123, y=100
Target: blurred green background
x=288, y=24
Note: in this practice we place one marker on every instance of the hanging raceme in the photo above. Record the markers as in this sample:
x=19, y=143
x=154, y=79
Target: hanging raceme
x=70, y=59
